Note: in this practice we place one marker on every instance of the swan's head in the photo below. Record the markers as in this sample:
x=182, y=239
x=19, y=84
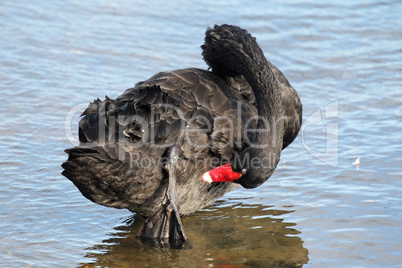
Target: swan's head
x=250, y=169
x=257, y=163
x=254, y=178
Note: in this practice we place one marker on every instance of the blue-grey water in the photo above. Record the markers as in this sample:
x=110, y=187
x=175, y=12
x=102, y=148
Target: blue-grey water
x=345, y=60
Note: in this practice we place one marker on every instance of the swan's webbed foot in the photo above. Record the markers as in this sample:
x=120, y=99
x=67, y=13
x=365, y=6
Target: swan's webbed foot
x=164, y=228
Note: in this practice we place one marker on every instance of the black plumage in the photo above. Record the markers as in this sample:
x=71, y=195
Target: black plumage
x=124, y=142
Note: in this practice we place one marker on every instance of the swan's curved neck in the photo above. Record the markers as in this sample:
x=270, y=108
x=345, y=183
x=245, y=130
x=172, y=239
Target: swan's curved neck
x=231, y=51
x=265, y=88
x=270, y=124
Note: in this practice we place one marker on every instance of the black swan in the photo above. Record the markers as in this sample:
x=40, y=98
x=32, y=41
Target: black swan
x=178, y=141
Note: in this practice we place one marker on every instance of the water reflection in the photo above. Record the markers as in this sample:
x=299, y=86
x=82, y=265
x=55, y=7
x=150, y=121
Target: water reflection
x=226, y=234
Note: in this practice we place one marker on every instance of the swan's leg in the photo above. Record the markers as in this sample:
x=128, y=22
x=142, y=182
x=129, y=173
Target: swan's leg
x=164, y=228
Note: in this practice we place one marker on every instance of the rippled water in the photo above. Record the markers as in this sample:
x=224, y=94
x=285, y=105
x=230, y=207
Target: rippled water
x=343, y=58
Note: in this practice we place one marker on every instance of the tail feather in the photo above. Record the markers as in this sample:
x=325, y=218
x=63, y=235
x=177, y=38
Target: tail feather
x=112, y=177
x=96, y=175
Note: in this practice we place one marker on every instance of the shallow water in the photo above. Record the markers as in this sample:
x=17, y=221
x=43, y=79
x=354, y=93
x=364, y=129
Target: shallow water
x=316, y=210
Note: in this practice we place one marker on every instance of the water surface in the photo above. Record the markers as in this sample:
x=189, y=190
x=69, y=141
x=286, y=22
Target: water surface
x=317, y=209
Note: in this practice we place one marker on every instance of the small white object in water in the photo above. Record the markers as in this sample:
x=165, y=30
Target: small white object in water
x=357, y=163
